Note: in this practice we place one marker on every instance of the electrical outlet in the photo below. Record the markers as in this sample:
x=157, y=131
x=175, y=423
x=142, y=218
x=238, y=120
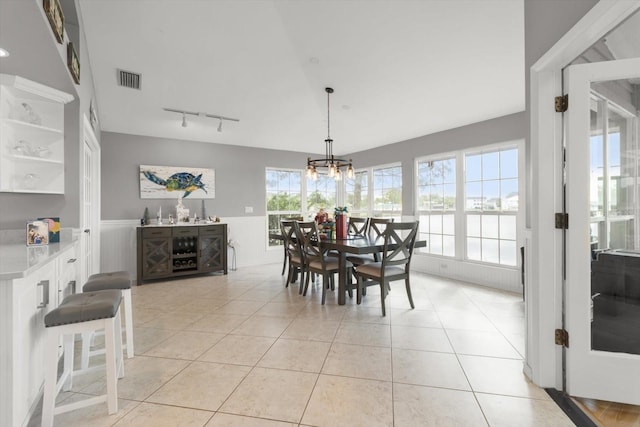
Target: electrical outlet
x=248, y=209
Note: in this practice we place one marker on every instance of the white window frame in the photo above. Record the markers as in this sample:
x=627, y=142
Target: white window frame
x=419, y=213
x=366, y=212
x=383, y=213
x=303, y=199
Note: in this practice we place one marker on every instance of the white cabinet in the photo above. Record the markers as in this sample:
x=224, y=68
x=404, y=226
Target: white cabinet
x=31, y=136
x=24, y=301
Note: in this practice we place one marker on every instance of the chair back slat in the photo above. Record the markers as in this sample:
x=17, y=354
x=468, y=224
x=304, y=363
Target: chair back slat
x=308, y=236
x=288, y=229
x=358, y=226
x=404, y=235
x=377, y=226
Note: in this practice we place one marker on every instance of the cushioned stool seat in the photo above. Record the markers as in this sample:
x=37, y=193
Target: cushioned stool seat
x=111, y=280
x=80, y=313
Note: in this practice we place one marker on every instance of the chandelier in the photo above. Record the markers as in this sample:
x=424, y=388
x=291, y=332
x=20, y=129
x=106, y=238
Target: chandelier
x=333, y=165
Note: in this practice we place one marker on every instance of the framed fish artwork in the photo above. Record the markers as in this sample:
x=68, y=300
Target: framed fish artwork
x=171, y=182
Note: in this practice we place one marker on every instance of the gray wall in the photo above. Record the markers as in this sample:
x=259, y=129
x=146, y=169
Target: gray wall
x=240, y=171
x=545, y=22
x=34, y=55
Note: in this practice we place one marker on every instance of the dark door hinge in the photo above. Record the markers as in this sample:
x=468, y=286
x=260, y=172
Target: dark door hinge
x=562, y=221
x=562, y=337
x=562, y=103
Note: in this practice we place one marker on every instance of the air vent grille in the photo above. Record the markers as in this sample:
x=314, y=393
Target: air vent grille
x=129, y=79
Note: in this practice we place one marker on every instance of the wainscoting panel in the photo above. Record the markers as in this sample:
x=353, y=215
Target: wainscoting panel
x=118, y=246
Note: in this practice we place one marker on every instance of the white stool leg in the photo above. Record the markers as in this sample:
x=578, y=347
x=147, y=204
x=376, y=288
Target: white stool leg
x=86, y=347
x=50, y=377
x=119, y=347
x=68, y=360
x=110, y=347
x=128, y=313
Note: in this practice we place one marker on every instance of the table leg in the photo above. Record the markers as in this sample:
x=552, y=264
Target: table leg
x=342, y=278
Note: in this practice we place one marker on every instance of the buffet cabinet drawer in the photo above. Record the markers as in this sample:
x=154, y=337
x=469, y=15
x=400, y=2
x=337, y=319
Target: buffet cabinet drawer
x=156, y=232
x=185, y=231
x=209, y=230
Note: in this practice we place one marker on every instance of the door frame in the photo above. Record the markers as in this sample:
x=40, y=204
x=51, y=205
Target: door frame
x=90, y=137
x=543, y=359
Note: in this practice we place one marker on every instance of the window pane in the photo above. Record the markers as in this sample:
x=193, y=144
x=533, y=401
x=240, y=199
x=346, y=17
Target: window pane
x=473, y=225
x=473, y=196
x=508, y=253
x=436, y=197
x=509, y=194
x=449, y=171
x=491, y=165
x=491, y=195
x=435, y=224
x=473, y=249
x=509, y=164
x=448, y=245
x=435, y=244
x=424, y=196
x=508, y=227
x=448, y=224
x=473, y=167
x=490, y=251
x=424, y=223
x=449, y=200
x=490, y=226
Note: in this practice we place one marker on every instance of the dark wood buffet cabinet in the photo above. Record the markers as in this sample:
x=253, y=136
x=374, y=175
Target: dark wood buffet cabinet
x=180, y=250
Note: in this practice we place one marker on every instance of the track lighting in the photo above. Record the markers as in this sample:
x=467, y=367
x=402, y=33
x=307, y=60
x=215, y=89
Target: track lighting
x=195, y=113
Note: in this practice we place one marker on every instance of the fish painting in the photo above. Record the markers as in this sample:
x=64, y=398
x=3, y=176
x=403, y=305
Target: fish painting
x=182, y=181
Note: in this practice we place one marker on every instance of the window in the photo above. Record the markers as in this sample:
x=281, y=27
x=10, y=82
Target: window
x=436, y=201
x=357, y=194
x=491, y=206
x=387, y=192
x=284, y=198
x=321, y=194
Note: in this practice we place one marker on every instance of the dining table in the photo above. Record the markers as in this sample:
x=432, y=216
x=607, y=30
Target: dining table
x=358, y=245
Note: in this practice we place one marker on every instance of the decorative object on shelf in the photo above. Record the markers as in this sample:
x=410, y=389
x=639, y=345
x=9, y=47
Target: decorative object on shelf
x=73, y=63
x=158, y=182
x=333, y=164
x=159, y=215
x=54, y=228
x=182, y=213
x=93, y=115
x=145, y=217
x=30, y=116
x=183, y=119
x=30, y=180
x=37, y=233
x=53, y=10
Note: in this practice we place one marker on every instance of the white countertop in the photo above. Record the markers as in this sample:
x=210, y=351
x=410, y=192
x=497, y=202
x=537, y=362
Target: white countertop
x=181, y=224
x=18, y=260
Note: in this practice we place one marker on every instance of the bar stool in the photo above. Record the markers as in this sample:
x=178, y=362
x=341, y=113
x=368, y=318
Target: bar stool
x=112, y=280
x=79, y=313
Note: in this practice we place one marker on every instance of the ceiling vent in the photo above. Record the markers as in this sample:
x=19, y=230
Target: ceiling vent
x=129, y=79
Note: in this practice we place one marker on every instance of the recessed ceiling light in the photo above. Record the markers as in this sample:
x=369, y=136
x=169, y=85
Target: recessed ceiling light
x=3, y=53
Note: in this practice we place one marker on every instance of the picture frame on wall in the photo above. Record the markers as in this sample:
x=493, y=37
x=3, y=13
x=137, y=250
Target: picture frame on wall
x=37, y=233
x=73, y=63
x=53, y=10
x=171, y=182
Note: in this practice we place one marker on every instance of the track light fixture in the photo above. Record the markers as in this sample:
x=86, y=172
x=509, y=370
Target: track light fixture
x=333, y=164
x=195, y=113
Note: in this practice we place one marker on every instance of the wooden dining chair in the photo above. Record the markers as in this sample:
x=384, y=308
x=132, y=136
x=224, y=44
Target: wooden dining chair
x=293, y=252
x=317, y=260
x=357, y=226
x=286, y=255
x=399, y=241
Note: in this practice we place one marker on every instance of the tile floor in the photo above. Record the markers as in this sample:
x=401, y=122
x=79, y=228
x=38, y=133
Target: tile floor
x=243, y=350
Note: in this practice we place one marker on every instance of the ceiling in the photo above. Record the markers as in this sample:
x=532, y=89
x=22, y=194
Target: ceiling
x=400, y=69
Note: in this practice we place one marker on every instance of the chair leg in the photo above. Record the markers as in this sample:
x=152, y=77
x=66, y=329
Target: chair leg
x=289, y=276
x=306, y=284
x=284, y=262
x=359, y=291
x=302, y=281
x=325, y=282
x=408, y=286
x=383, y=295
